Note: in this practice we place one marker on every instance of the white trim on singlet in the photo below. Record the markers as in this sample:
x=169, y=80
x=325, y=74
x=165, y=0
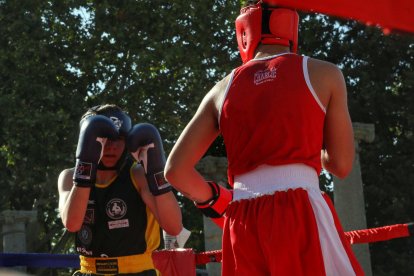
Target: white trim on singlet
x=308, y=82
x=225, y=96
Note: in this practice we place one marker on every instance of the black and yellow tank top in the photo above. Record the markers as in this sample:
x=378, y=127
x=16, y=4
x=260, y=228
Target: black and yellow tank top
x=117, y=221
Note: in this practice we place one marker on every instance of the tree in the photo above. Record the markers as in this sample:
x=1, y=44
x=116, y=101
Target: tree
x=57, y=58
x=157, y=59
x=37, y=104
x=378, y=71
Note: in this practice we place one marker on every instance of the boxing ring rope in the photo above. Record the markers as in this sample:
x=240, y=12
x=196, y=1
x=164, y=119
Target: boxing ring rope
x=369, y=235
x=182, y=261
x=380, y=233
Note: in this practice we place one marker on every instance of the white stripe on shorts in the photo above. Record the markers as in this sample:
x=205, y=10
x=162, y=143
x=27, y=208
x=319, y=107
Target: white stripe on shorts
x=269, y=179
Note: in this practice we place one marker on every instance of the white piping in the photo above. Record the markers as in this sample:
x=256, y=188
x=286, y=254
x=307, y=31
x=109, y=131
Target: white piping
x=307, y=79
x=224, y=96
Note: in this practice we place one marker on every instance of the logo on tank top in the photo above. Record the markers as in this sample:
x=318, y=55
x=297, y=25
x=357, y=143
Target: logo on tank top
x=116, y=208
x=85, y=235
x=264, y=76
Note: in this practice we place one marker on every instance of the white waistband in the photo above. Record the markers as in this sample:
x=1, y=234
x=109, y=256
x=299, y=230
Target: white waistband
x=269, y=179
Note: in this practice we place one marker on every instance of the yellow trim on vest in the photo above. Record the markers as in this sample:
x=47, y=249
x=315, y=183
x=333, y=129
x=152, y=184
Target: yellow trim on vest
x=131, y=174
x=105, y=185
x=115, y=265
x=152, y=233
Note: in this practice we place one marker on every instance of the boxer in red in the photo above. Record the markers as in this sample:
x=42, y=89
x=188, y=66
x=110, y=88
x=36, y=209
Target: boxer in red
x=283, y=118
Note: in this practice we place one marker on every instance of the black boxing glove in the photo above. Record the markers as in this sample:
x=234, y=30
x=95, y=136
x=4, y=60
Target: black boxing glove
x=145, y=145
x=92, y=137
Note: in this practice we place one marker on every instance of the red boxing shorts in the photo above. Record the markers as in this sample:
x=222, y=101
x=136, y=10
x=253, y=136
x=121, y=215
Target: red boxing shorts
x=282, y=224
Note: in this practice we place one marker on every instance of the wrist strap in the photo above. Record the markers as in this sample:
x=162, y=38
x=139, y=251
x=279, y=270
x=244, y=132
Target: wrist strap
x=83, y=184
x=216, y=206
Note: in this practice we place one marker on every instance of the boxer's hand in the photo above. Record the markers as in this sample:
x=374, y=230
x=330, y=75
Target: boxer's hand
x=145, y=144
x=216, y=206
x=92, y=137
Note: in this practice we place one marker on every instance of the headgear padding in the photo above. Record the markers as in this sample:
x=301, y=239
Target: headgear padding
x=121, y=120
x=282, y=28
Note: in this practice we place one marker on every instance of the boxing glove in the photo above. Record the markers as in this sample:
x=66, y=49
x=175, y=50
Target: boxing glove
x=93, y=133
x=145, y=145
x=216, y=206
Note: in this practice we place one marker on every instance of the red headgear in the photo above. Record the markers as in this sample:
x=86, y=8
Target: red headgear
x=282, y=28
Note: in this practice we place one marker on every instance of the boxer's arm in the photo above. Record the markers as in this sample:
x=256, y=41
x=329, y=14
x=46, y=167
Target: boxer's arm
x=192, y=144
x=72, y=201
x=338, y=133
x=74, y=185
x=145, y=145
x=328, y=81
x=164, y=207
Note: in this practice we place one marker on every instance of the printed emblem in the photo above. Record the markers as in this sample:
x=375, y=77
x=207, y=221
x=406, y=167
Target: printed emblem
x=83, y=170
x=117, y=122
x=116, y=208
x=85, y=235
x=109, y=266
x=160, y=180
x=264, y=76
x=84, y=251
x=115, y=224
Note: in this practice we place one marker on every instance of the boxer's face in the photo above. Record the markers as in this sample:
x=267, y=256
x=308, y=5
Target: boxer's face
x=113, y=151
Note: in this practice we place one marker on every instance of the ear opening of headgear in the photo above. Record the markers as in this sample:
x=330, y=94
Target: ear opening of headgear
x=261, y=23
x=248, y=30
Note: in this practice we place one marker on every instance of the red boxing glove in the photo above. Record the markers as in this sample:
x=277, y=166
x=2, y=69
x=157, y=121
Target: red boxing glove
x=216, y=206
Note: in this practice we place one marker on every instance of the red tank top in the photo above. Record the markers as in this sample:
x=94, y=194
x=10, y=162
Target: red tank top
x=271, y=115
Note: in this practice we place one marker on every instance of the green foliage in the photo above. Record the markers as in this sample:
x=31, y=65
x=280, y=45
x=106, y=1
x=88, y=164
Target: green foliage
x=157, y=59
x=37, y=120
x=379, y=74
x=57, y=58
